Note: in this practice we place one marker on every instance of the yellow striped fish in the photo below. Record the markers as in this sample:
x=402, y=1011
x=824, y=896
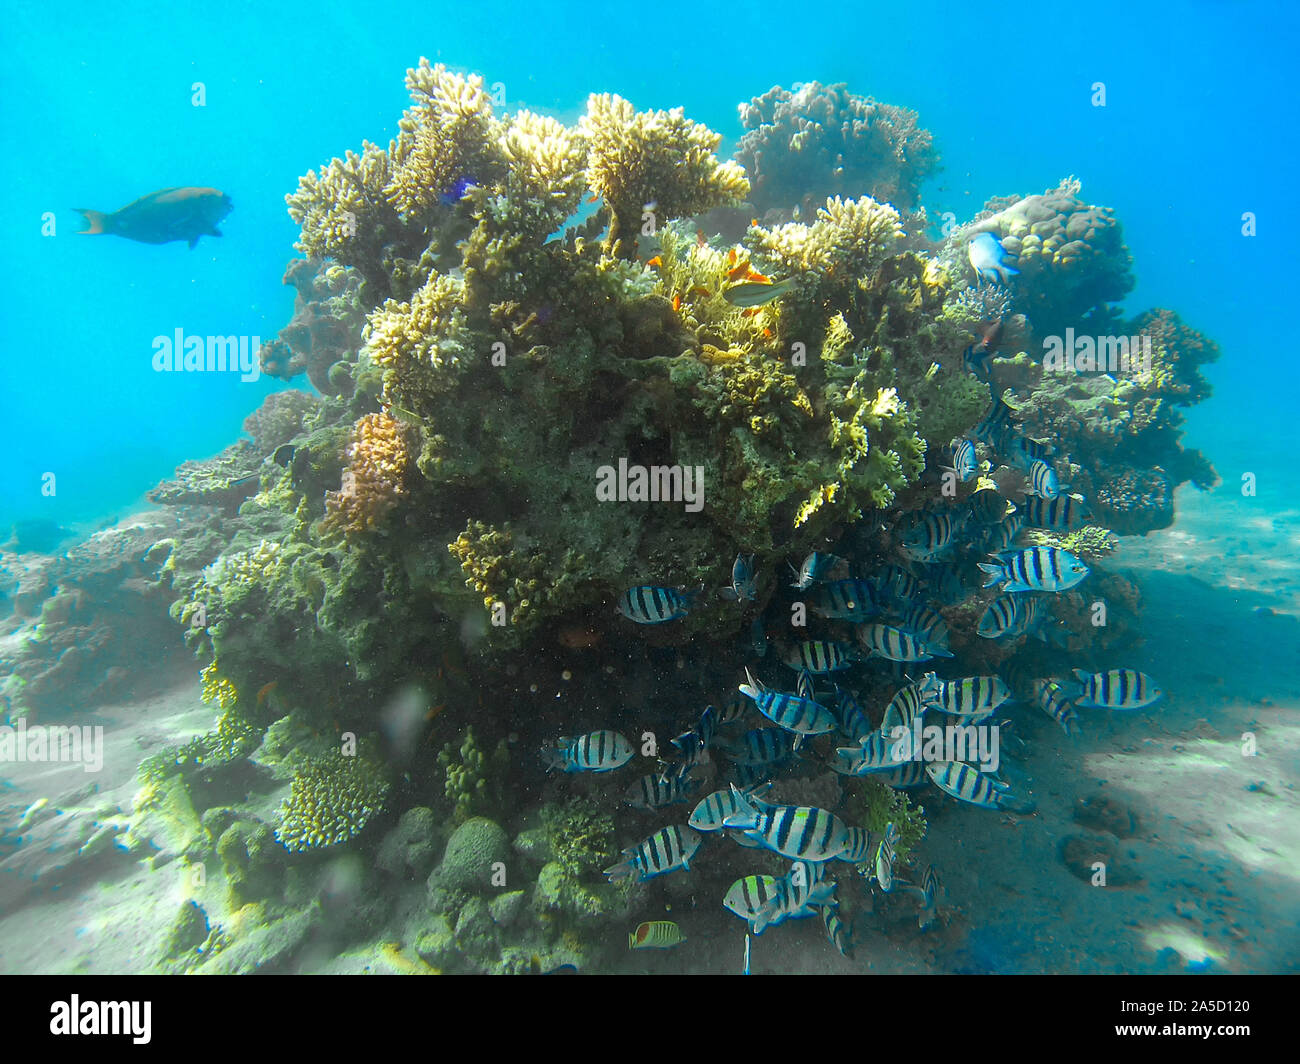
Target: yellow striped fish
x=656, y=934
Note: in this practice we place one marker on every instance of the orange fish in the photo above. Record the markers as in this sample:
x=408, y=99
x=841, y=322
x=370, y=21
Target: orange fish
x=731, y=257
x=754, y=222
x=655, y=263
x=754, y=275
x=738, y=272
x=767, y=333
x=677, y=301
x=750, y=312
x=594, y=197
x=265, y=692
x=699, y=237
x=698, y=291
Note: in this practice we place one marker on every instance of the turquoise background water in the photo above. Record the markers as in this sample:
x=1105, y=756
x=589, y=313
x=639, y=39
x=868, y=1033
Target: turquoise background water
x=1199, y=127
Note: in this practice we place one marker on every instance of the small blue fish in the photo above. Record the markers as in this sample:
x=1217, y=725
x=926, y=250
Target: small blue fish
x=989, y=258
x=814, y=569
x=744, y=585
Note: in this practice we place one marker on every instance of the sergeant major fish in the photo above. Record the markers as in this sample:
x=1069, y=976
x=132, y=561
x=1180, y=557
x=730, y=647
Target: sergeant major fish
x=665, y=851
x=801, y=833
x=1035, y=569
x=599, y=751
x=747, y=897
x=1116, y=689
x=801, y=715
x=743, y=581
x=654, y=605
x=969, y=785
x=814, y=569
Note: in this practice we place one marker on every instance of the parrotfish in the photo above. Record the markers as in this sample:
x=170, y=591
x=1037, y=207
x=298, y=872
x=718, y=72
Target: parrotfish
x=989, y=258
x=163, y=216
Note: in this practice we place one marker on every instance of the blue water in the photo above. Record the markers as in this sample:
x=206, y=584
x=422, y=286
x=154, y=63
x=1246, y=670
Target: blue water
x=1198, y=128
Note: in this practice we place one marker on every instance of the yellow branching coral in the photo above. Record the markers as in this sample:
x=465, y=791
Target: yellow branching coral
x=374, y=480
x=547, y=161
x=447, y=136
x=217, y=688
x=848, y=239
x=407, y=336
x=653, y=160
x=342, y=210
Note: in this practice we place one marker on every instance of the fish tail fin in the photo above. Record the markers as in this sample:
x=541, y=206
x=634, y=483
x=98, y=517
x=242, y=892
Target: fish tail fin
x=95, y=221
x=1012, y=804
x=996, y=574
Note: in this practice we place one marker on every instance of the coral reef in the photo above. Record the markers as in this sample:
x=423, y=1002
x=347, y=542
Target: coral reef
x=331, y=801
x=652, y=161
x=818, y=141
x=379, y=456
x=1070, y=254
x=324, y=335
x=473, y=776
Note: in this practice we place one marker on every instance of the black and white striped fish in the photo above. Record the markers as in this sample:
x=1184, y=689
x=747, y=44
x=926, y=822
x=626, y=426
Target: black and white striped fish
x=885, y=857
x=1042, y=480
x=815, y=568
x=877, y=752
x=791, y=712
x=927, y=894
x=798, y=894
x=837, y=930
x=858, y=848
x=909, y=703
x=712, y=810
x=995, y=424
x=968, y=784
x=1035, y=569
x=931, y=535
x=758, y=747
x=845, y=600
x=659, y=790
x=987, y=506
x=747, y=897
x=964, y=463
x=820, y=656
x=927, y=623
x=801, y=833
x=665, y=851
x=1065, y=513
x=850, y=716
x=973, y=696
x=1116, y=689
x=655, y=605
x=598, y=751
x=1002, y=535
x=897, y=587
x=894, y=644
x=909, y=775
x=1054, y=700
x=1022, y=451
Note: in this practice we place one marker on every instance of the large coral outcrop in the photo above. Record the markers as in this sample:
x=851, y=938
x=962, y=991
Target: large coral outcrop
x=818, y=141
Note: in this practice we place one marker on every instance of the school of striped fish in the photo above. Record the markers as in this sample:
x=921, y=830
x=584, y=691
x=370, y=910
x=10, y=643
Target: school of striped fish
x=876, y=614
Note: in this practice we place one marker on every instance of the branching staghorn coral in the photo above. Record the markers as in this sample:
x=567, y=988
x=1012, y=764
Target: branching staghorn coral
x=655, y=161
